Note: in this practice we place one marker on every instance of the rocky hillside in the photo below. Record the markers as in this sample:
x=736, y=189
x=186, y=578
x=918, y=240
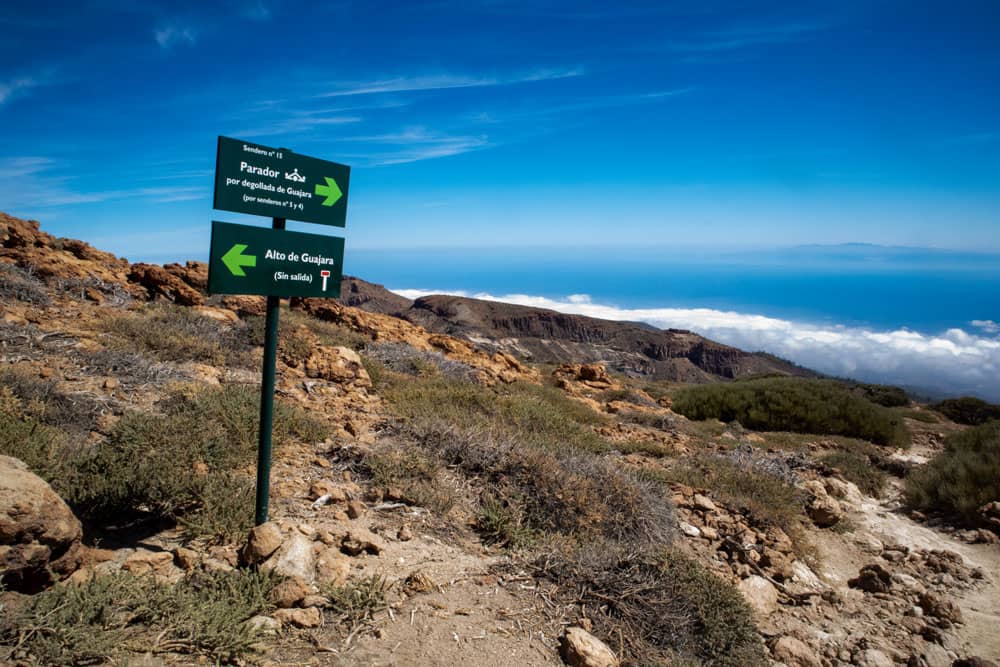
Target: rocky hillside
x=438, y=501
x=545, y=336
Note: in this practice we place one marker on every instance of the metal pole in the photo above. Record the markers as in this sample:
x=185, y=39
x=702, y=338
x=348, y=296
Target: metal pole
x=267, y=402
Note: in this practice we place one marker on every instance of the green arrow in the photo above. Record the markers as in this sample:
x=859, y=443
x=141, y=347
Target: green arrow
x=235, y=260
x=331, y=191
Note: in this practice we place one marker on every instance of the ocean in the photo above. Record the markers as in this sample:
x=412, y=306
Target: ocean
x=925, y=319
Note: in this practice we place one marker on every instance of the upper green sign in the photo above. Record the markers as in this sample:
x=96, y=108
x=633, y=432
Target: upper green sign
x=273, y=262
x=277, y=183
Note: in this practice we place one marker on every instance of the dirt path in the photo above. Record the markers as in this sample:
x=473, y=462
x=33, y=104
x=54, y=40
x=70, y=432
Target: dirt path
x=885, y=520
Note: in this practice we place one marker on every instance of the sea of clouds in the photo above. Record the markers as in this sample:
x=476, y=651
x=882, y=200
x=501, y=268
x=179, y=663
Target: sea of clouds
x=952, y=363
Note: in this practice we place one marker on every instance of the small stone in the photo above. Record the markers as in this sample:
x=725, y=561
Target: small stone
x=704, y=503
x=264, y=625
x=709, y=533
x=873, y=658
x=940, y=608
x=873, y=578
x=327, y=488
x=264, y=540
x=579, y=648
x=310, y=617
x=111, y=383
x=760, y=594
x=143, y=561
x=295, y=558
x=355, y=509
x=404, y=534
x=794, y=653
x=290, y=592
x=332, y=567
x=187, y=558
x=361, y=540
x=689, y=530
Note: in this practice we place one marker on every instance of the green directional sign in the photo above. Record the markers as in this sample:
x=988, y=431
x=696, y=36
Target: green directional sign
x=278, y=183
x=273, y=262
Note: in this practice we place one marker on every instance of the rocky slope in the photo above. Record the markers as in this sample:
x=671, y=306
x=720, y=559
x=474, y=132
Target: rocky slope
x=875, y=587
x=546, y=336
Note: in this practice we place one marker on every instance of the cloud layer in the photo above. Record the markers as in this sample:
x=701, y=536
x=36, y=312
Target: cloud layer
x=954, y=362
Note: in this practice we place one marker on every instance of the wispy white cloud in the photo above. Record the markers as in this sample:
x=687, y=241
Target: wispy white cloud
x=740, y=37
x=417, y=143
x=172, y=35
x=592, y=104
x=953, y=362
x=29, y=183
x=298, y=124
x=21, y=86
x=445, y=82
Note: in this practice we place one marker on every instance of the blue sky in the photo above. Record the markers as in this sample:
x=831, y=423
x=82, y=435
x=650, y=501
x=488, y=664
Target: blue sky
x=533, y=123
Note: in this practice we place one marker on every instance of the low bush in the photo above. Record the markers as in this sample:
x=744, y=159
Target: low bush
x=961, y=478
x=885, y=395
x=793, y=404
x=564, y=491
x=968, y=410
x=357, y=601
x=149, y=465
x=43, y=400
x=662, y=422
x=859, y=469
x=541, y=416
x=662, y=608
x=628, y=395
x=502, y=522
x=109, y=618
x=766, y=497
x=18, y=284
x=175, y=333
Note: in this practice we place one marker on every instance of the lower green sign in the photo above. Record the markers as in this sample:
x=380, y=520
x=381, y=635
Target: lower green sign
x=273, y=262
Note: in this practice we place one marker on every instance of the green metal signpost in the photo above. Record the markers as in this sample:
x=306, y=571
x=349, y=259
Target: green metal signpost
x=275, y=182
x=257, y=260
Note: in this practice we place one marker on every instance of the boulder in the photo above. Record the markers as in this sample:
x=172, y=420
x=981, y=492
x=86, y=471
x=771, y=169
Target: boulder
x=760, y=594
x=794, y=653
x=36, y=527
x=579, y=648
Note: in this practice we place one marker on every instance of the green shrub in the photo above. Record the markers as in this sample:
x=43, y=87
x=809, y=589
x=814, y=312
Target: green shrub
x=541, y=416
x=657, y=609
x=859, y=469
x=147, y=466
x=503, y=522
x=358, y=600
x=43, y=400
x=884, y=395
x=766, y=497
x=961, y=478
x=114, y=616
x=175, y=333
x=793, y=404
x=968, y=410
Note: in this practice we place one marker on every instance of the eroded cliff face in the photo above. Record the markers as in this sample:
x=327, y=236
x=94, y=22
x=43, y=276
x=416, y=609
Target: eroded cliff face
x=546, y=336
